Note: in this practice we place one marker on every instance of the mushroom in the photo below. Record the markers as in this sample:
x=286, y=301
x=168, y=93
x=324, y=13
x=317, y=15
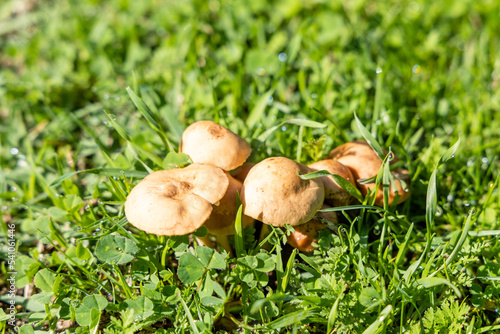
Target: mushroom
x=335, y=195
x=274, y=194
x=305, y=234
x=364, y=163
x=176, y=201
x=210, y=143
x=241, y=172
x=221, y=221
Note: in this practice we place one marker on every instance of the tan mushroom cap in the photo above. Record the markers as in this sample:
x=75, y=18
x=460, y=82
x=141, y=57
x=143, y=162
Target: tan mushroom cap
x=210, y=143
x=176, y=201
x=335, y=195
x=305, y=234
x=364, y=163
x=274, y=194
x=221, y=221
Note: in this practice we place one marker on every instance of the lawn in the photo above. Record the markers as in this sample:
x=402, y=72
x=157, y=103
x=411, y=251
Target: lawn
x=94, y=95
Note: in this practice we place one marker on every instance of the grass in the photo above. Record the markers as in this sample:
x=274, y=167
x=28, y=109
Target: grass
x=289, y=77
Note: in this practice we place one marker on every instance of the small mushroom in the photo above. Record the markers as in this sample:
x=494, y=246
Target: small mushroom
x=221, y=221
x=335, y=195
x=364, y=163
x=241, y=172
x=274, y=194
x=305, y=234
x=210, y=143
x=176, y=201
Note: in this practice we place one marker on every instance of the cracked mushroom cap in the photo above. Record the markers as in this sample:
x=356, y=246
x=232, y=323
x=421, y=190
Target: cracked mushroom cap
x=364, y=163
x=305, y=234
x=221, y=221
x=335, y=195
x=210, y=143
x=176, y=201
x=274, y=194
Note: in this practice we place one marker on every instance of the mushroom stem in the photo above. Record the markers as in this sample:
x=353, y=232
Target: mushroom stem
x=223, y=241
x=205, y=241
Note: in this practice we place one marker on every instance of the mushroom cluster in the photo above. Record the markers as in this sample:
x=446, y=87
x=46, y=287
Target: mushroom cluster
x=179, y=201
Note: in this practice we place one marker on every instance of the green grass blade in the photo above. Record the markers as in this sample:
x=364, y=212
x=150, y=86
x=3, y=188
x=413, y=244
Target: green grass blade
x=306, y=123
x=431, y=203
x=151, y=118
x=450, y=153
x=333, y=314
x=108, y=171
x=346, y=185
x=189, y=316
x=430, y=282
x=238, y=233
x=293, y=317
x=374, y=327
x=283, y=284
x=403, y=247
x=299, y=145
x=461, y=241
x=257, y=113
x=369, y=138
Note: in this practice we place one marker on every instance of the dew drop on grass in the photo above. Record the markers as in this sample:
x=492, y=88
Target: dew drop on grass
x=271, y=99
x=117, y=98
x=283, y=128
x=378, y=70
x=450, y=198
x=106, y=96
x=78, y=228
x=14, y=151
x=470, y=162
x=467, y=204
x=484, y=160
x=261, y=71
x=439, y=211
x=314, y=96
x=283, y=57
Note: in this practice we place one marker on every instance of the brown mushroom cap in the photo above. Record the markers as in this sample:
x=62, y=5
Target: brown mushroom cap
x=274, y=194
x=241, y=172
x=210, y=143
x=305, y=234
x=364, y=163
x=176, y=201
x=335, y=195
x=221, y=221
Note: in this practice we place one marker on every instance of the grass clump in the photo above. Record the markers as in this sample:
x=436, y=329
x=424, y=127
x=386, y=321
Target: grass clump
x=421, y=76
